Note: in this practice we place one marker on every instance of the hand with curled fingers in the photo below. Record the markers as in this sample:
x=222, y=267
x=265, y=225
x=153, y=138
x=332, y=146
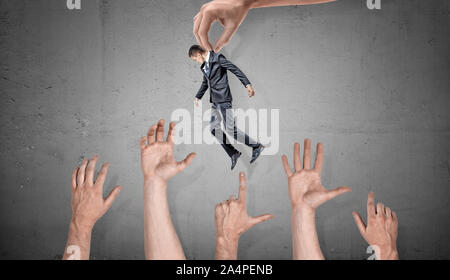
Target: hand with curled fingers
x=157, y=158
x=232, y=220
x=88, y=204
x=381, y=230
x=305, y=187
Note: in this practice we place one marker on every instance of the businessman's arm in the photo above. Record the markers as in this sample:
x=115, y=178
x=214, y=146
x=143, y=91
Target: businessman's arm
x=88, y=206
x=202, y=89
x=233, y=69
x=158, y=165
x=307, y=193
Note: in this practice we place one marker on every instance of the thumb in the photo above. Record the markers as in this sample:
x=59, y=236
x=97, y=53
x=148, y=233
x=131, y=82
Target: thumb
x=112, y=196
x=259, y=219
x=359, y=223
x=337, y=191
x=225, y=37
x=186, y=162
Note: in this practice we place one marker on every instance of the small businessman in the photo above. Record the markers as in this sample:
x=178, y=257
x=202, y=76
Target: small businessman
x=214, y=67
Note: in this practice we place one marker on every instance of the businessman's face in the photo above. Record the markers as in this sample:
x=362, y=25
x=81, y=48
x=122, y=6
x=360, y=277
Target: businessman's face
x=198, y=57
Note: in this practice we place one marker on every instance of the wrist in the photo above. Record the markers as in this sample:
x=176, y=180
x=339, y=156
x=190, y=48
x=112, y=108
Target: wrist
x=80, y=227
x=388, y=253
x=303, y=210
x=226, y=249
x=154, y=181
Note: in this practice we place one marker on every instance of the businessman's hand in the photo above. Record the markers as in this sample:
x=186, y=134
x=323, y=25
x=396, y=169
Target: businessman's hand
x=232, y=220
x=88, y=204
x=229, y=13
x=251, y=91
x=157, y=160
x=305, y=188
x=196, y=102
x=381, y=229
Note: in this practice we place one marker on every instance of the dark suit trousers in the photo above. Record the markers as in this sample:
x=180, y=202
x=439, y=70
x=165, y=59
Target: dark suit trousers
x=223, y=112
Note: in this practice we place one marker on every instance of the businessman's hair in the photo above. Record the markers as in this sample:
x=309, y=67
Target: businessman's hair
x=193, y=50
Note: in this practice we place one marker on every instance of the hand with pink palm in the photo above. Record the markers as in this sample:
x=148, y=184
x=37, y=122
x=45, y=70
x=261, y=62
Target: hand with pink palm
x=305, y=187
x=157, y=159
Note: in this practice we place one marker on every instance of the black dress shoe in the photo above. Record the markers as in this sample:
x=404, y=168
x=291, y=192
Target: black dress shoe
x=234, y=159
x=257, y=152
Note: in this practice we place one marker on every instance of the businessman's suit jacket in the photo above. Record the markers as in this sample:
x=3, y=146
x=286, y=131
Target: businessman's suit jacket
x=217, y=80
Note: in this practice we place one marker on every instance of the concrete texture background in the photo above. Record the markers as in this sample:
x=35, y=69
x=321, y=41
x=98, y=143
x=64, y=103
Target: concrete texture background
x=373, y=86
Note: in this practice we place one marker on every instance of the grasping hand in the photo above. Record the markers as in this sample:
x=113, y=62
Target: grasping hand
x=232, y=219
x=88, y=204
x=305, y=188
x=229, y=13
x=157, y=160
x=251, y=91
x=381, y=229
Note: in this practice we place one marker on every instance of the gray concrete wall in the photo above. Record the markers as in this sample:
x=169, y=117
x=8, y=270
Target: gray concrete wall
x=373, y=86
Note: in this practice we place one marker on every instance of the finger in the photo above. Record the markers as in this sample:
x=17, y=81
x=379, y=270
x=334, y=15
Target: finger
x=337, y=191
x=197, y=21
x=101, y=176
x=394, y=217
x=371, y=205
x=160, y=131
x=73, y=180
x=259, y=219
x=142, y=142
x=388, y=212
x=297, y=163
x=171, y=134
x=81, y=171
x=286, y=166
x=380, y=209
x=186, y=162
x=232, y=198
x=91, y=169
x=307, y=154
x=359, y=223
x=225, y=37
x=242, y=187
x=203, y=30
x=319, y=158
x=112, y=196
x=151, y=134
x=225, y=207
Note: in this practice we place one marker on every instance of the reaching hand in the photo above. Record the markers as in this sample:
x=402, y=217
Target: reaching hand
x=88, y=204
x=157, y=161
x=229, y=13
x=305, y=188
x=381, y=229
x=231, y=215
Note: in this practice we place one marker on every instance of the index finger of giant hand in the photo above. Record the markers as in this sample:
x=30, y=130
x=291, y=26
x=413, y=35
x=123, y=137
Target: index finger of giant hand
x=197, y=21
x=203, y=30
